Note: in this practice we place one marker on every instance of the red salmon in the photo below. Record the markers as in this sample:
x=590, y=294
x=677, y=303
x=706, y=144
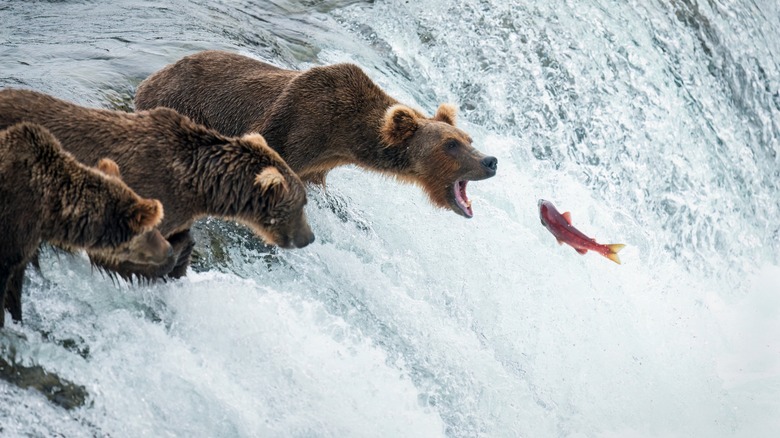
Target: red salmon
x=560, y=226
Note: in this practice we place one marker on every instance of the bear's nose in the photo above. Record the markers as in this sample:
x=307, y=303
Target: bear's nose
x=490, y=162
x=303, y=239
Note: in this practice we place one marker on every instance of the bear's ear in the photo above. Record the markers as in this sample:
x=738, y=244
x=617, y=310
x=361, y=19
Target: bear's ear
x=400, y=123
x=270, y=181
x=255, y=137
x=446, y=114
x=109, y=167
x=145, y=215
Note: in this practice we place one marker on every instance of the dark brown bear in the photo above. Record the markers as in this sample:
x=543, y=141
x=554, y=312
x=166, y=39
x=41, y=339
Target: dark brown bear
x=322, y=118
x=194, y=171
x=48, y=196
x=149, y=255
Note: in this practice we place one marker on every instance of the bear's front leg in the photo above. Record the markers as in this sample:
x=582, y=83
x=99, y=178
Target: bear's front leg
x=5, y=277
x=13, y=292
x=13, y=261
x=183, y=243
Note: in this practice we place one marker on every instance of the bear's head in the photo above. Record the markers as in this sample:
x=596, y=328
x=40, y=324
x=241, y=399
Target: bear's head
x=440, y=156
x=277, y=212
x=136, y=217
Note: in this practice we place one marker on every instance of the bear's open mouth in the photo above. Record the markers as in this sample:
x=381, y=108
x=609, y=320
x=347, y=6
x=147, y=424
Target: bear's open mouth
x=462, y=201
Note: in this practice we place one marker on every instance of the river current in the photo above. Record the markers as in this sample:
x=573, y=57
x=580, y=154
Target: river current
x=656, y=123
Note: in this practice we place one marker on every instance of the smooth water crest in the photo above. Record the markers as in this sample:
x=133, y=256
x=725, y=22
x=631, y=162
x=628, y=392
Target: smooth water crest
x=657, y=124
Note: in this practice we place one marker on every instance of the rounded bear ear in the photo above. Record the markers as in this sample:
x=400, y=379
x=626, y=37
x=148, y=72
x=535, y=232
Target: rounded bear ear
x=400, y=123
x=145, y=215
x=255, y=137
x=109, y=167
x=446, y=114
x=270, y=181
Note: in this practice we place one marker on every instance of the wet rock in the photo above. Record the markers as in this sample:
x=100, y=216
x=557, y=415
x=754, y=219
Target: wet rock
x=222, y=245
x=58, y=390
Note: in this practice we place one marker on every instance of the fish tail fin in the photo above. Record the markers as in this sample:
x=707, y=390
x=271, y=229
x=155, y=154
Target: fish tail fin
x=614, y=248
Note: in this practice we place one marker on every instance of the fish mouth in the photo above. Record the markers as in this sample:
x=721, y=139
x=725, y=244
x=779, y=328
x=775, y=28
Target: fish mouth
x=462, y=203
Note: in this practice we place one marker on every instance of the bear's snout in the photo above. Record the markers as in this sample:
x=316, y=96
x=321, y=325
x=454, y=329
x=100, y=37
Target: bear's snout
x=303, y=239
x=490, y=163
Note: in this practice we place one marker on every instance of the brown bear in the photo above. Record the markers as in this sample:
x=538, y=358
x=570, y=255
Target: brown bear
x=322, y=118
x=46, y=195
x=194, y=171
x=148, y=255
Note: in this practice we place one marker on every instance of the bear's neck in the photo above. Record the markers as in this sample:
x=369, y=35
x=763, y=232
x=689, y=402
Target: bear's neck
x=372, y=153
x=354, y=141
x=221, y=180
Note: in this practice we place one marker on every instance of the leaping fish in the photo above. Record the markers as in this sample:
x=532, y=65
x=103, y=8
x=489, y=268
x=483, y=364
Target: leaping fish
x=560, y=226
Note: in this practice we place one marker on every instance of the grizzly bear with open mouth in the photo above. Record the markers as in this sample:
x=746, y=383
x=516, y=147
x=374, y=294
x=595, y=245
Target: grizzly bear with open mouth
x=322, y=118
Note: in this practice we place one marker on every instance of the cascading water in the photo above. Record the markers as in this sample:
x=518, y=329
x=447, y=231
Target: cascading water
x=657, y=124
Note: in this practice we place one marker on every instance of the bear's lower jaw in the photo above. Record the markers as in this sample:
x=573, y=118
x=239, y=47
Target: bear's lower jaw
x=462, y=204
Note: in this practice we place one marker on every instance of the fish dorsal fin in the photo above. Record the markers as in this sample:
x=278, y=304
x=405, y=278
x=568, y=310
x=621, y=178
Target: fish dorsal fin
x=560, y=242
x=567, y=216
x=582, y=251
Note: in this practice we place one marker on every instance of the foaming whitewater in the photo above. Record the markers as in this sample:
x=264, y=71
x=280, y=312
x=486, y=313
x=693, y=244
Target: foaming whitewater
x=656, y=124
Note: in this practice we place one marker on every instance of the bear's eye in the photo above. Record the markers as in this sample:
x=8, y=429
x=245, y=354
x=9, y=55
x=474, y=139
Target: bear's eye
x=451, y=145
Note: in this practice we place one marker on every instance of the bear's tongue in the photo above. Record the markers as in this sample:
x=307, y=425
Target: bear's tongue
x=460, y=197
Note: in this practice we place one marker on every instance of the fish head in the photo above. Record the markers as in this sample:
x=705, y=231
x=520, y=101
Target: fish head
x=544, y=207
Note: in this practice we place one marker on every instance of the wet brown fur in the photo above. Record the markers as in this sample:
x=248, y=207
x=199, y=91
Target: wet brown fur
x=46, y=195
x=319, y=119
x=148, y=256
x=194, y=171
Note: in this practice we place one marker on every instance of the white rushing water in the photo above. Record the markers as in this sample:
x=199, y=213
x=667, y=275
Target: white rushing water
x=657, y=124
